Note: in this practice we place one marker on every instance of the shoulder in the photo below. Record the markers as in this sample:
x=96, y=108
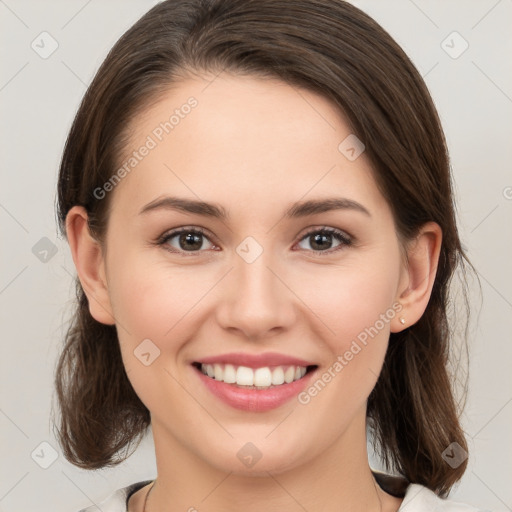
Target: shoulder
x=117, y=501
x=418, y=498
x=421, y=499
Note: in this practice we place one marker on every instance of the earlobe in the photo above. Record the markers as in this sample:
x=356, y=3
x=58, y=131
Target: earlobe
x=423, y=257
x=90, y=265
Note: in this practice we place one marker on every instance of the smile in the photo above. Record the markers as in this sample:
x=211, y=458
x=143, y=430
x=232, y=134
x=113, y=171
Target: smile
x=254, y=378
x=253, y=389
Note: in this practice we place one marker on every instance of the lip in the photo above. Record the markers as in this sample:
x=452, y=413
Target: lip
x=256, y=360
x=254, y=400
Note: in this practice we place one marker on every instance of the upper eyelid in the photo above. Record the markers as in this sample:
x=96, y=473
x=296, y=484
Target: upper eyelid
x=327, y=229
x=174, y=232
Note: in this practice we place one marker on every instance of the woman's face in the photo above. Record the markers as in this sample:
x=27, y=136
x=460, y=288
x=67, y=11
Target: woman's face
x=260, y=279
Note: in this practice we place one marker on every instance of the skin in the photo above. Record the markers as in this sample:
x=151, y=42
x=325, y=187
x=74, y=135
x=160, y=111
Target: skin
x=254, y=146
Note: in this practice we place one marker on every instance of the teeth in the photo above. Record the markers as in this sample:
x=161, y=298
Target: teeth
x=229, y=375
x=289, y=374
x=278, y=376
x=217, y=371
x=244, y=376
x=249, y=377
x=262, y=377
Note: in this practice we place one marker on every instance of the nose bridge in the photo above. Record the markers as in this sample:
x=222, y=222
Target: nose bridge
x=257, y=300
x=255, y=279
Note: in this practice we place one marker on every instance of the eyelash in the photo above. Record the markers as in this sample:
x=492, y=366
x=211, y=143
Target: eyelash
x=346, y=240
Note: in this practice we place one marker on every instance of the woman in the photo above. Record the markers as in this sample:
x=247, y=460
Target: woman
x=258, y=203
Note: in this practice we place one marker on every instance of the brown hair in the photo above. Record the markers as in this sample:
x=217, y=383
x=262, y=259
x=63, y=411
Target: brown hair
x=337, y=51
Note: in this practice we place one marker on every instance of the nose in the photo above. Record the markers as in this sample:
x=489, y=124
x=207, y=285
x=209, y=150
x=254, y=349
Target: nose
x=257, y=302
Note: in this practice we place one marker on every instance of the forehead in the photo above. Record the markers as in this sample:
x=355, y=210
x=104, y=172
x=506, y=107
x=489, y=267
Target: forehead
x=241, y=141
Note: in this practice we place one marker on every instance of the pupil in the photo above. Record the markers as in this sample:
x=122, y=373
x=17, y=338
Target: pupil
x=190, y=238
x=318, y=237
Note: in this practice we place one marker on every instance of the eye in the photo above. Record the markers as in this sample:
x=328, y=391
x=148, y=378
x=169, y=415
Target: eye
x=187, y=240
x=191, y=240
x=322, y=238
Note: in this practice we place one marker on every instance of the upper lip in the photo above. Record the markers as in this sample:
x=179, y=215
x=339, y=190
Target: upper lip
x=255, y=360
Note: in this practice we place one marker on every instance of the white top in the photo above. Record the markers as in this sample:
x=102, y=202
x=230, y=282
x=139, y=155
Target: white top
x=417, y=499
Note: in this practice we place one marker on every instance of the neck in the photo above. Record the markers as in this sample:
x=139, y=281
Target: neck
x=338, y=478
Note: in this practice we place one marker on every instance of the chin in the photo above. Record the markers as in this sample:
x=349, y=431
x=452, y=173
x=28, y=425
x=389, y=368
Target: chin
x=254, y=458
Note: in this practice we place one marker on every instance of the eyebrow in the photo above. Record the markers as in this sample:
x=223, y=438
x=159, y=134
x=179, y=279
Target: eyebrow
x=297, y=210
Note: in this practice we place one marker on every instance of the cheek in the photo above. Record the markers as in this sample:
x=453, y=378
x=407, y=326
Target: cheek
x=354, y=307
x=148, y=294
x=349, y=300
x=153, y=306
x=154, y=300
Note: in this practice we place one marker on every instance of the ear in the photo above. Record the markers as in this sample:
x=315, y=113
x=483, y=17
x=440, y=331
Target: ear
x=418, y=275
x=88, y=257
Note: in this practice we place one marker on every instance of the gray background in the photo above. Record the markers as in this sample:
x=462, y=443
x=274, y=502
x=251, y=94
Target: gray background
x=38, y=99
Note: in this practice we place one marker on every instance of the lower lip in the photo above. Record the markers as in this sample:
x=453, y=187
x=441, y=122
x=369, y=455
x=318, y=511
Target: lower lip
x=255, y=400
